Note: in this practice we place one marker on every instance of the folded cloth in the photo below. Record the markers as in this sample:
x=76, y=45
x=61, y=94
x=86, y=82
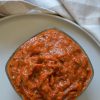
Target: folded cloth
x=85, y=13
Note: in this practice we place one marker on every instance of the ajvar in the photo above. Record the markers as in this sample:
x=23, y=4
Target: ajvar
x=49, y=66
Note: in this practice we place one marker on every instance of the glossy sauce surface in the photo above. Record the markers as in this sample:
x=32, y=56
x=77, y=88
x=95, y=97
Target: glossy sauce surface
x=49, y=66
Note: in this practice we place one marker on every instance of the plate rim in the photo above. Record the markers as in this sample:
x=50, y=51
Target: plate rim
x=57, y=17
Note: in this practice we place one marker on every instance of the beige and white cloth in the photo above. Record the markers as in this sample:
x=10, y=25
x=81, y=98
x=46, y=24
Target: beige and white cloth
x=85, y=13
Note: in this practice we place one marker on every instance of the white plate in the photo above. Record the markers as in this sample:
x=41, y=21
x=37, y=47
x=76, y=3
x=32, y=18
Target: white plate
x=17, y=29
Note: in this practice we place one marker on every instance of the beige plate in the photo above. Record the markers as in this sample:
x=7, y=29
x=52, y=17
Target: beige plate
x=17, y=29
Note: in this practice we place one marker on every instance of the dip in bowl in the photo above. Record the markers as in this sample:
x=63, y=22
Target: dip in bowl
x=50, y=66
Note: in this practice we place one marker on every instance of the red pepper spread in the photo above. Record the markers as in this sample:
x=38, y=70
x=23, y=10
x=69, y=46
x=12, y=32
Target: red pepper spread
x=49, y=66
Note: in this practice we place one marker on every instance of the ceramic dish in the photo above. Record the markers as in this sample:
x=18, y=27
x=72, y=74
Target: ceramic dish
x=15, y=30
